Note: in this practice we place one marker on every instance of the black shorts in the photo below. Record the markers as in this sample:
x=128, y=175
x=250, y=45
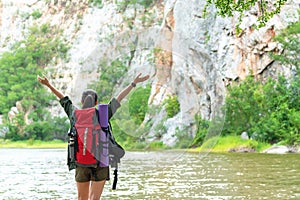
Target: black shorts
x=85, y=174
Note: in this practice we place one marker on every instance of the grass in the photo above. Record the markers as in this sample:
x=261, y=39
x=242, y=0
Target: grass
x=227, y=143
x=55, y=144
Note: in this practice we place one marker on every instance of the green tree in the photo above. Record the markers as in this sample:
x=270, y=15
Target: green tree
x=290, y=42
x=228, y=8
x=242, y=106
x=18, y=82
x=19, y=68
x=266, y=111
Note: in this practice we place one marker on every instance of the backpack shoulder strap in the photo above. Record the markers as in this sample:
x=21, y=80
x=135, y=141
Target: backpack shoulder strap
x=72, y=131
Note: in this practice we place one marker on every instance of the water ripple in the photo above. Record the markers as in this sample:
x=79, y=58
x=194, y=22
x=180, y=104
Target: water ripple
x=43, y=174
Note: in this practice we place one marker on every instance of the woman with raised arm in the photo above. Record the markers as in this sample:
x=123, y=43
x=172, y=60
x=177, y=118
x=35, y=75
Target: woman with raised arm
x=90, y=182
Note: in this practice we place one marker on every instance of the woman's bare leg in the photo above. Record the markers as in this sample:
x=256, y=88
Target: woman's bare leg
x=83, y=190
x=96, y=189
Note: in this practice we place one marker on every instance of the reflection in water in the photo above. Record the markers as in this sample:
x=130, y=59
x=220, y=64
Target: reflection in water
x=43, y=174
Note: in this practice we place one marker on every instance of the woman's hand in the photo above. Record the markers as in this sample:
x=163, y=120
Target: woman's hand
x=139, y=78
x=43, y=80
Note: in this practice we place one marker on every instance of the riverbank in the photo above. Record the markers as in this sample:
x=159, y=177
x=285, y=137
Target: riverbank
x=231, y=144
x=34, y=144
x=237, y=144
x=215, y=144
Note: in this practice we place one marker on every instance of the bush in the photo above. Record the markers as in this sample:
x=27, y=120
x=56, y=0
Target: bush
x=184, y=139
x=172, y=106
x=228, y=143
x=138, y=103
x=13, y=133
x=54, y=128
x=39, y=131
x=156, y=145
x=264, y=110
x=160, y=129
x=36, y=14
x=202, y=128
x=59, y=127
x=97, y=3
x=16, y=128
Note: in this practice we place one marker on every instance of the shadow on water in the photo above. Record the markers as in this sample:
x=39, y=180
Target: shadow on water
x=43, y=174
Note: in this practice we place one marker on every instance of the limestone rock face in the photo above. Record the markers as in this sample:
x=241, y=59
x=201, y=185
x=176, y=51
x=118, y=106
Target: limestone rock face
x=194, y=58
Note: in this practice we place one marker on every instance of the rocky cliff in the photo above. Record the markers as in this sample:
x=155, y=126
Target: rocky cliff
x=189, y=56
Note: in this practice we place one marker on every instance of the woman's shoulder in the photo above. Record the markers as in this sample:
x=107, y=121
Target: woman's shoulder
x=67, y=104
x=114, y=102
x=65, y=99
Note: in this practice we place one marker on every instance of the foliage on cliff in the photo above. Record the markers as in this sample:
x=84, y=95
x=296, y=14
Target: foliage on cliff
x=290, y=42
x=269, y=111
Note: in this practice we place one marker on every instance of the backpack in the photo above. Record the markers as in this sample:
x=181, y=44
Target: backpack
x=91, y=140
x=91, y=144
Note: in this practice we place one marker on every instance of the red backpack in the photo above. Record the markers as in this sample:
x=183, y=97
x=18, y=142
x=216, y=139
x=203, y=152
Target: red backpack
x=91, y=141
x=90, y=144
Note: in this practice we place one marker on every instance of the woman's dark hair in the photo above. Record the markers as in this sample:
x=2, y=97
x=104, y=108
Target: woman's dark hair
x=89, y=98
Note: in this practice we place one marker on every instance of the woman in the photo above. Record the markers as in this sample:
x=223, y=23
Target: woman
x=90, y=182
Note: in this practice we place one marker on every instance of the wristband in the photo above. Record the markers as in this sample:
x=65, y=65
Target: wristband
x=133, y=84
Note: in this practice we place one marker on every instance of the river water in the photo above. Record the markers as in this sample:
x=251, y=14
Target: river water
x=43, y=174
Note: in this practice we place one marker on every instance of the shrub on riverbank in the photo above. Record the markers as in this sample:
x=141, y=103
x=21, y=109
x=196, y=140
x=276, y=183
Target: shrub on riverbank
x=232, y=144
x=268, y=111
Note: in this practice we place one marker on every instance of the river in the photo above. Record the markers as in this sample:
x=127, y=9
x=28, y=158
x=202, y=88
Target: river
x=43, y=174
